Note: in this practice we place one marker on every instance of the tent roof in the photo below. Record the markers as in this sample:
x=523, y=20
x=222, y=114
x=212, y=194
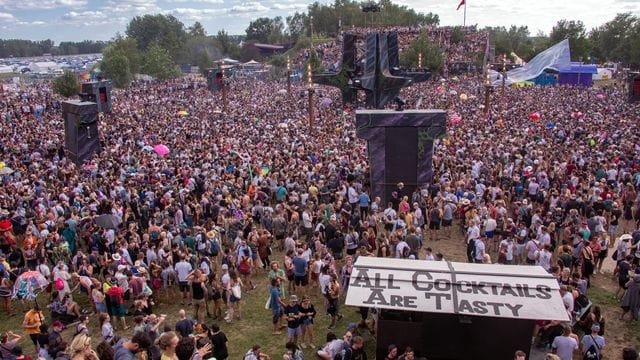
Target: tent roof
x=517, y=292
x=576, y=68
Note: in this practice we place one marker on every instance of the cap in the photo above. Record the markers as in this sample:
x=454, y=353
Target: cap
x=58, y=323
x=595, y=328
x=225, y=267
x=293, y=298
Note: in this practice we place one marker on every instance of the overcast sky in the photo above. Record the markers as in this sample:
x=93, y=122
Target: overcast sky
x=76, y=20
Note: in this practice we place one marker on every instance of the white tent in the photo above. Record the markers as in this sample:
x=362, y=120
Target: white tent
x=603, y=74
x=516, y=292
x=5, y=69
x=44, y=66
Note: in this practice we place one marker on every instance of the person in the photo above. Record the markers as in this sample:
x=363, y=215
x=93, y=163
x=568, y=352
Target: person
x=308, y=314
x=80, y=348
x=520, y=355
x=106, y=329
x=183, y=269
x=127, y=349
x=277, y=305
x=333, y=296
x=187, y=349
x=622, y=271
x=565, y=344
x=300, y=271
x=56, y=344
x=293, y=352
x=392, y=352
x=631, y=299
x=197, y=281
x=355, y=350
x=629, y=353
x=293, y=315
x=592, y=344
x=31, y=323
x=219, y=341
x=255, y=353
x=8, y=341
x=167, y=343
x=116, y=299
x=185, y=325
x=408, y=354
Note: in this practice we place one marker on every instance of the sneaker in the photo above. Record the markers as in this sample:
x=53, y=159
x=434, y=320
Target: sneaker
x=303, y=345
x=340, y=317
x=311, y=345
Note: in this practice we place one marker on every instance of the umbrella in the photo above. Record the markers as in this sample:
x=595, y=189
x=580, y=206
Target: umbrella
x=6, y=171
x=326, y=101
x=147, y=148
x=28, y=284
x=107, y=221
x=282, y=91
x=161, y=149
x=182, y=113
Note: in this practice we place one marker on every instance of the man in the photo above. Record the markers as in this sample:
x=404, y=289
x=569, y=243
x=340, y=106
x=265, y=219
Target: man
x=565, y=344
x=277, y=305
x=31, y=324
x=184, y=326
x=256, y=354
x=183, y=269
x=116, y=299
x=300, y=270
x=293, y=314
x=472, y=235
x=356, y=350
x=56, y=343
x=520, y=355
x=307, y=223
x=408, y=354
x=127, y=349
x=592, y=344
x=480, y=250
x=448, y=210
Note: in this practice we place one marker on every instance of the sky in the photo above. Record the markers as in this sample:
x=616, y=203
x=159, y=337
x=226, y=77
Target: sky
x=77, y=20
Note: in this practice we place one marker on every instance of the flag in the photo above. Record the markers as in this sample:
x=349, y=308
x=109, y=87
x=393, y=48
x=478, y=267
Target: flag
x=462, y=2
x=264, y=171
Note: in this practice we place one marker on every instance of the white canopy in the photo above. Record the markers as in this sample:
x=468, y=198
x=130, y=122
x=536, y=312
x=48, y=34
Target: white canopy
x=507, y=291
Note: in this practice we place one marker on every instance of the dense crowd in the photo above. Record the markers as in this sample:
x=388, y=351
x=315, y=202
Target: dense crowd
x=240, y=189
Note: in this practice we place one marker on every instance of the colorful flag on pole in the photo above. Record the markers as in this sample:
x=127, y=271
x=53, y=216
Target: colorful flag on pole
x=264, y=171
x=462, y=2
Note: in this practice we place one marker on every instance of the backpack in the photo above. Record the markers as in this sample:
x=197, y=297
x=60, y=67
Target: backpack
x=214, y=247
x=593, y=352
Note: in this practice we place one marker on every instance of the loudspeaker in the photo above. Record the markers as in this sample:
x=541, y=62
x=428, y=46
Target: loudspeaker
x=214, y=80
x=98, y=92
x=81, y=136
x=633, y=85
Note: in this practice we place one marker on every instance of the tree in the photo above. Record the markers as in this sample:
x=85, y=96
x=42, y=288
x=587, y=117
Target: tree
x=613, y=40
x=226, y=44
x=431, y=54
x=577, y=35
x=127, y=47
x=115, y=66
x=163, y=30
x=265, y=30
x=158, y=63
x=297, y=25
x=197, y=30
x=66, y=85
x=314, y=60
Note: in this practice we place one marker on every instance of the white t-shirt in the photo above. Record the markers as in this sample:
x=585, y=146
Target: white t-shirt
x=480, y=248
x=565, y=346
x=490, y=225
x=509, y=246
x=544, y=259
x=183, y=269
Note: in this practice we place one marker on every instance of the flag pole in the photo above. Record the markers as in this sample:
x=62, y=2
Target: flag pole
x=464, y=21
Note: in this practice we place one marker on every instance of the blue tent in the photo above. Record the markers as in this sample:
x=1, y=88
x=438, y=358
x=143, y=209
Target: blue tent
x=546, y=78
x=577, y=74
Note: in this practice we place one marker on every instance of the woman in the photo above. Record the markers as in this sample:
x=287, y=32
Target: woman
x=308, y=314
x=82, y=327
x=97, y=297
x=235, y=296
x=333, y=296
x=80, y=348
x=8, y=341
x=346, y=273
x=6, y=291
x=106, y=328
x=264, y=248
x=245, y=267
x=167, y=344
x=631, y=299
x=219, y=341
x=587, y=261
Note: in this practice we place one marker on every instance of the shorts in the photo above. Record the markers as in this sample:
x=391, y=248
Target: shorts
x=531, y=262
x=434, y=225
x=290, y=277
x=184, y=286
x=118, y=310
x=301, y=280
x=101, y=307
x=447, y=223
x=294, y=332
x=276, y=314
x=613, y=229
x=489, y=234
x=34, y=338
x=315, y=276
x=519, y=249
x=307, y=322
x=233, y=299
x=199, y=302
x=352, y=251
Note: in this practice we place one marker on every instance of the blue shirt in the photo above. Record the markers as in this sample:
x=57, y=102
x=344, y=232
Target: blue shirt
x=364, y=200
x=299, y=266
x=275, y=294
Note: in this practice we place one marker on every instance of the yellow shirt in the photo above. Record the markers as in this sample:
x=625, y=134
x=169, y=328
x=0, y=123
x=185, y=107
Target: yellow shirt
x=33, y=320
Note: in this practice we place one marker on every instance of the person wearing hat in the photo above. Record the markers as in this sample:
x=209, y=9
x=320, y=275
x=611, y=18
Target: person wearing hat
x=631, y=299
x=592, y=344
x=56, y=343
x=293, y=315
x=116, y=301
x=624, y=247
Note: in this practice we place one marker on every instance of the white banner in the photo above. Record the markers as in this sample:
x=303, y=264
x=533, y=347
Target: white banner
x=523, y=292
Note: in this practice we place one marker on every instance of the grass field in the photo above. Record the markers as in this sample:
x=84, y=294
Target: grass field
x=255, y=326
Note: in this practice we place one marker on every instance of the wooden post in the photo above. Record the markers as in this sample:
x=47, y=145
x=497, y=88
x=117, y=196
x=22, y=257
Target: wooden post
x=288, y=76
x=310, y=91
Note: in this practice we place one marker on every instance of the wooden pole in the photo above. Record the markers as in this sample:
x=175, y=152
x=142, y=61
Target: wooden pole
x=310, y=91
x=288, y=76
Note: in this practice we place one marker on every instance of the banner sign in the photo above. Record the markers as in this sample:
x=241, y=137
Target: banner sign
x=507, y=291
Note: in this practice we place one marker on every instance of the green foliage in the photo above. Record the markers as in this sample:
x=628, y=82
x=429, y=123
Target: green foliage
x=314, y=60
x=617, y=40
x=516, y=40
x=127, y=47
x=278, y=61
x=158, y=63
x=66, y=85
x=431, y=54
x=266, y=30
x=457, y=36
x=297, y=25
x=576, y=33
x=227, y=45
x=197, y=30
x=203, y=61
x=23, y=48
x=164, y=31
x=116, y=66
x=326, y=17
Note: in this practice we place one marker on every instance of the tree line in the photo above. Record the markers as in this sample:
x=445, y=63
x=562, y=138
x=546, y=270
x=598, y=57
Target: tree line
x=29, y=48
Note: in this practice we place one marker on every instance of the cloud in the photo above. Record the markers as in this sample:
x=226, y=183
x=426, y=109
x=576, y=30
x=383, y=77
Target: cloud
x=195, y=14
x=197, y=1
x=41, y=4
x=132, y=7
x=294, y=6
x=248, y=7
x=4, y=17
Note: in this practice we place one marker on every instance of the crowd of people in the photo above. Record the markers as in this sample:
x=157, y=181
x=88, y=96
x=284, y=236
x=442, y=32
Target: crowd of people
x=239, y=190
